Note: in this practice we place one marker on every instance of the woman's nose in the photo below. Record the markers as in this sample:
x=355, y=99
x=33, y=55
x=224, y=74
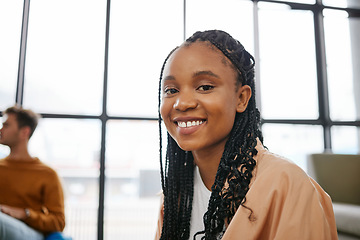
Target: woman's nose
x=185, y=101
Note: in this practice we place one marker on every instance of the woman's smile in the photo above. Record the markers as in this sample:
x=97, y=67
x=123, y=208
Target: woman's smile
x=189, y=124
x=189, y=127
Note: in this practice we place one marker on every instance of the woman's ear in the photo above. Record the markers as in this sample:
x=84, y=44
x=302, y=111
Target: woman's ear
x=244, y=95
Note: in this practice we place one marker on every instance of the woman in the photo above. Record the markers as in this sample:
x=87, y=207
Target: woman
x=218, y=180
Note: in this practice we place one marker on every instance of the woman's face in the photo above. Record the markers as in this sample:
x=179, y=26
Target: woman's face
x=200, y=97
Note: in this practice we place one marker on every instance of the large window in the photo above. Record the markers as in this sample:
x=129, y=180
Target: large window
x=139, y=41
x=91, y=69
x=287, y=63
x=10, y=28
x=64, y=58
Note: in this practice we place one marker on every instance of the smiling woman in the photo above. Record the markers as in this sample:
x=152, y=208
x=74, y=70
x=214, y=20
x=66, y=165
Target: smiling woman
x=218, y=180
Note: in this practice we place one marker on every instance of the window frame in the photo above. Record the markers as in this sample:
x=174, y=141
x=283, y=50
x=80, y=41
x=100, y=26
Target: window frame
x=323, y=120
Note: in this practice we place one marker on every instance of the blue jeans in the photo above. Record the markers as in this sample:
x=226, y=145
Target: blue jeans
x=14, y=229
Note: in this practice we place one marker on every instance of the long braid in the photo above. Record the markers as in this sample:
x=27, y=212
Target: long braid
x=170, y=225
x=178, y=192
x=159, y=122
x=236, y=164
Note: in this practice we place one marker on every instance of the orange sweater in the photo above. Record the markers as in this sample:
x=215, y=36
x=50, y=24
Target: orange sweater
x=33, y=185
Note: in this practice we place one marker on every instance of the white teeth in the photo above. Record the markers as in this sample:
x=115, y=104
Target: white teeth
x=189, y=123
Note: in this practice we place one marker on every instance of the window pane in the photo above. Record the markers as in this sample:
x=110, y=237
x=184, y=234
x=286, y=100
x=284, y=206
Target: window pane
x=4, y=150
x=342, y=3
x=294, y=142
x=72, y=147
x=65, y=56
x=10, y=28
x=343, y=76
x=345, y=140
x=133, y=181
x=137, y=51
x=236, y=19
x=287, y=63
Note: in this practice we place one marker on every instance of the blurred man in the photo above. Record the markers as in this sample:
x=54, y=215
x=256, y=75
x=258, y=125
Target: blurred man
x=31, y=195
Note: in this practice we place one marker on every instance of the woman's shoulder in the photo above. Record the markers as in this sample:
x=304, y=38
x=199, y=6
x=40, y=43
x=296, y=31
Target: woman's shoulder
x=277, y=163
x=278, y=178
x=272, y=168
x=282, y=197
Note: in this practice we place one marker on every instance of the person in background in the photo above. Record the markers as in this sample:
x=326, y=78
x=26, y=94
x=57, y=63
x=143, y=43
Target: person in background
x=218, y=179
x=31, y=194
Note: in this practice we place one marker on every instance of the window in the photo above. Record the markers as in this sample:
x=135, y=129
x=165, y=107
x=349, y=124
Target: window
x=91, y=68
x=65, y=57
x=340, y=67
x=293, y=141
x=10, y=12
x=137, y=51
x=287, y=63
x=133, y=180
x=72, y=147
x=237, y=19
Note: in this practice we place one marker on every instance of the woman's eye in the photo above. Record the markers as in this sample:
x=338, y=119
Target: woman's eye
x=205, y=87
x=169, y=91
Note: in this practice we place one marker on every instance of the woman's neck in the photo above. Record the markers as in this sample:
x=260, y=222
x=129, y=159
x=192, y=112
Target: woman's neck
x=208, y=164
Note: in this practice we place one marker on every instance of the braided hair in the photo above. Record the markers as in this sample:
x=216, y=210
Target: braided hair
x=237, y=162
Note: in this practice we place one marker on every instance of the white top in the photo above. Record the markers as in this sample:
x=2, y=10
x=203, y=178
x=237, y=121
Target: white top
x=199, y=205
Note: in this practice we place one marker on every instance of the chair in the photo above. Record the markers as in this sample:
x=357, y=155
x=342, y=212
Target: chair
x=339, y=176
x=57, y=236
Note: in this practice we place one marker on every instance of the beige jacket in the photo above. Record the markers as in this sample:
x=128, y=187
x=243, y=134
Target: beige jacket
x=286, y=203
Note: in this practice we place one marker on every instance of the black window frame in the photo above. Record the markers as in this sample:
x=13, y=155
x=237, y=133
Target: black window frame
x=323, y=120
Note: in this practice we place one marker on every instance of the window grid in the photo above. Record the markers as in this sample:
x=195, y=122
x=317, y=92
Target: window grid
x=324, y=119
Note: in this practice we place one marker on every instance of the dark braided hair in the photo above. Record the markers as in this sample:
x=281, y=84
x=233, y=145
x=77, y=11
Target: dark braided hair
x=237, y=162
